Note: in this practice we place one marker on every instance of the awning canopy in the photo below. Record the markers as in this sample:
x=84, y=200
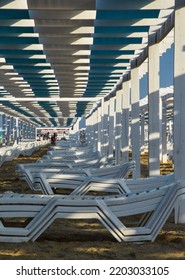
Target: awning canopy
x=57, y=58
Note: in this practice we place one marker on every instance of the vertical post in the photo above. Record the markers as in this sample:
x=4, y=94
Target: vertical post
x=105, y=128
x=160, y=128
x=179, y=101
x=25, y=130
x=92, y=131
x=142, y=130
x=4, y=128
x=125, y=121
x=111, y=126
x=87, y=129
x=11, y=129
x=99, y=128
x=89, y=123
x=153, y=111
x=8, y=129
x=1, y=130
x=164, y=136
x=17, y=131
x=118, y=127
x=75, y=132
x=93, y=140
x=135, y=115
x=30, y=131
x=96, y=128
x=14, y=131
x=100, y=125
x=34, y=132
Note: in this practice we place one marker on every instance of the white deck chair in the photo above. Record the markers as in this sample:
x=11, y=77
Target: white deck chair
x=31, y=175
x=79, y=185
x=68, y=159
x=40, y=211
x=55, y=155
x=100, y=162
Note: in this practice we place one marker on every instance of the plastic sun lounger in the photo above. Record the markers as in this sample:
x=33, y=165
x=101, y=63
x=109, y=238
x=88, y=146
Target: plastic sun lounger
x=102, y=161
x=79, y=185
x=72, y=149
x=70, y=159
x=38, y=212
x=143, y=184
x=98, y=162
x=25, y=149
x=32, y=175
x=66, y=153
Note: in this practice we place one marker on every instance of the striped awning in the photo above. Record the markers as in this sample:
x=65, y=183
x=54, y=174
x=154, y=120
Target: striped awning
x=58, y=58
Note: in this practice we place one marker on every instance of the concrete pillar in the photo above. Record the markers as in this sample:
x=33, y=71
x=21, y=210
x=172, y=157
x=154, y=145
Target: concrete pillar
x=30, y=131
x=96, y=128
x=111, y=126
x=179, y=101
x=14, y=132
x=102, y=151
x=153, y=111
x=34, y=132
x=142, y=129
x=125, y=121
x=17, y=131
x=105, y=128
x=100, y=126
x=88, y=129
x=11, y=129
x=76, y=133
x=26, y=131
x=77, y=129
x=1, y=130
x=160, y=128
x=118, y=127
x=8, y=129
x=92, y=133
x=179, y=96
x=164, y=135
x=135, y=116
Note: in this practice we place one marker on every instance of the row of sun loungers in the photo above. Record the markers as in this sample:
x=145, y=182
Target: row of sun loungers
x=79, y=163
x=49, y=183
x=38, y=178
x=38, y=212
x=71, y=192
x=24, y=148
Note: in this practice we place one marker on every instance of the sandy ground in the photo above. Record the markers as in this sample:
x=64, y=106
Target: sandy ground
x=87, y=240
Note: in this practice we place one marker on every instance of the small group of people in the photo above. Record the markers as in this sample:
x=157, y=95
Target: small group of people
x=53, y=138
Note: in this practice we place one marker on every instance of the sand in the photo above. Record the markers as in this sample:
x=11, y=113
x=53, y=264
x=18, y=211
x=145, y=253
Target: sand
x=87, y=240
